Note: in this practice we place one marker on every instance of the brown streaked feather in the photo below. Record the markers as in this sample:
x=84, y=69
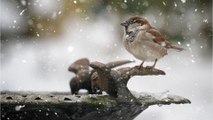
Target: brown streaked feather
x=158, y=37
x=140, y=20
x=136, y=18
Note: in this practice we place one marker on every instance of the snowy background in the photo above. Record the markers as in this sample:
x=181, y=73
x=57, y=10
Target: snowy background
x=41, y=38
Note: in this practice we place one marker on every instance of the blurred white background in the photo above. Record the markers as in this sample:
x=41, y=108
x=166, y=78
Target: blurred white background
x=41, y=38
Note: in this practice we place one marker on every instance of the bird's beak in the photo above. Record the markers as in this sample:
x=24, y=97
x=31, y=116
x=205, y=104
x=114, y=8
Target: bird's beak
x=125, y=24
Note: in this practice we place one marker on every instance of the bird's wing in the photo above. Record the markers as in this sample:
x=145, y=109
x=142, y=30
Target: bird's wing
x=158, y=38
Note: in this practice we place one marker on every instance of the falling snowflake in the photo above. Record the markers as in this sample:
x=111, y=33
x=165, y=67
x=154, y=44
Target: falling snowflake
x=202, y=11
x=123, y=5
x=70, y=49
x=30, y=22
x=160, y=13
x=19, y=107
x=164, y=3
x=189, y=27
x=24, y=61
x=115, y=45
x=56, y=113
x=3, y=82
x=21, y=13
x=205, y=20
x=39, y=25
x=175, y=4
x=23, y=2
x=188, y=45
x=183, y=1
x=193, y=61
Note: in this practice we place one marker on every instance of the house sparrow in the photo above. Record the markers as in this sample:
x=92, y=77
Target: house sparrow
x=144, y=41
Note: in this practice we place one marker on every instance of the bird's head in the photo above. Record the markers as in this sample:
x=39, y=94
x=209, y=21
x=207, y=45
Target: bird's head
x=136, y=22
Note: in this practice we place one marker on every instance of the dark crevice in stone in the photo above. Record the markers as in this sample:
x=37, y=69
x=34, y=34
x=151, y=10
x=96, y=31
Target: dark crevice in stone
x=67, y=99
x=38, y=98
x=9, y=98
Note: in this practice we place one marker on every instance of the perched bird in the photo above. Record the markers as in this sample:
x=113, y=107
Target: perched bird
x=144, y=41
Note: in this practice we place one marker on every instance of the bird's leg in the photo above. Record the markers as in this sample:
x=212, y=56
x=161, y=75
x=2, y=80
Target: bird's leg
x=153, y=66
x=154, y=63
x=141, y=65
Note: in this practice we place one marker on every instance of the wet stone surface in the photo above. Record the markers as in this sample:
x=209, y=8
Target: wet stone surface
x=63, y=106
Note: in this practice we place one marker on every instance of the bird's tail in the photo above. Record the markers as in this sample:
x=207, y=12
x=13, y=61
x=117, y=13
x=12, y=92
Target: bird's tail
x=176, y=48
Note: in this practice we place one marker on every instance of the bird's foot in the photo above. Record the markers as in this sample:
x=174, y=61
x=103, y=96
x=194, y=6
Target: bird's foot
x=141, y=65
x=150, y=67
x=153, y=66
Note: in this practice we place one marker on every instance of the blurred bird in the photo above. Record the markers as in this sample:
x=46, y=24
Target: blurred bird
x=144, y=41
